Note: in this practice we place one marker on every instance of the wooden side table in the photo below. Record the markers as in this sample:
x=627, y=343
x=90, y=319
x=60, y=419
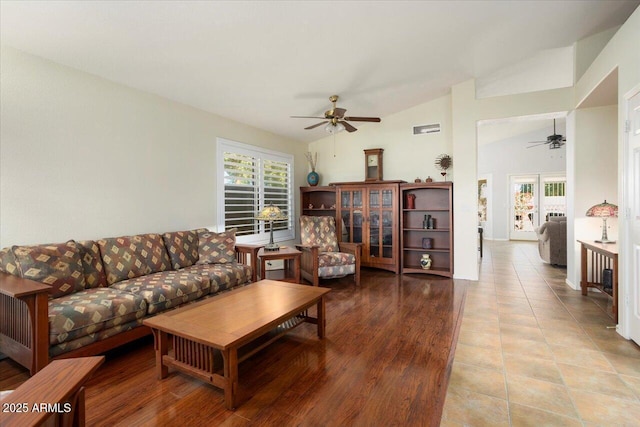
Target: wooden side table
x=56, y=391
x=595, y=257
x=291, y=257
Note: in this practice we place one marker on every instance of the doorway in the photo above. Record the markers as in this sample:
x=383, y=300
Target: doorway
x=535, y=198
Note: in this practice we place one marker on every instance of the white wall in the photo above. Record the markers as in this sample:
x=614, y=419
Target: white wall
x=622, y=52
x=513, y=157
x=406, y=156
x=595, y=160
x=467, y=111
x=82, y=157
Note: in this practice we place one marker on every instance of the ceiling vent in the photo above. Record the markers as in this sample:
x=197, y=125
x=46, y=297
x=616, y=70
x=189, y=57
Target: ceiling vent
x=423, y=129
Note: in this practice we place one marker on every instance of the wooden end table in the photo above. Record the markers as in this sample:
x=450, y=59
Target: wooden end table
x=595, y=257
x=235, y=324
x=56, y=391
x=291, y=258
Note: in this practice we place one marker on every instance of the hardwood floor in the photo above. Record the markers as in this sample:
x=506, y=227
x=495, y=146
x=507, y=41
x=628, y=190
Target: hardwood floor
x=386, y=360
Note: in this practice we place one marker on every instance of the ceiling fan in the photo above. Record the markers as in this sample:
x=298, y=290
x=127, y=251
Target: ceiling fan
x=555, y=141
x=336, y=120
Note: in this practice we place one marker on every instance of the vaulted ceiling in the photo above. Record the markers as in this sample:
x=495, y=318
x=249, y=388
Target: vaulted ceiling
x=259, y=62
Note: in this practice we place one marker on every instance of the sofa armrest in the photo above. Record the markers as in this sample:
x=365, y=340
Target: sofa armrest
x=24, y=327
x=542, y=233
x=248, y=255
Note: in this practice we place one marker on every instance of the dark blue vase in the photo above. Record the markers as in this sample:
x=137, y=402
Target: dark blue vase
x=313, y=178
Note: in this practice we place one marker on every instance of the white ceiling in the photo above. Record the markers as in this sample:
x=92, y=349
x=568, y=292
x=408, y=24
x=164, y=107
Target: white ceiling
x=261, y=62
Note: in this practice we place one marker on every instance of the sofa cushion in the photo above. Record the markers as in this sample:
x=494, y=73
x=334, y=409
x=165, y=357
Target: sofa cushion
x=57, y=265
x=223, y=276
x=77, y=343
x=319, y=231
x=216, y=248
x=166, y=289
x=8, y=263
x=87, y=312
x=94, y=276
x=182, y=247
x=133, y=256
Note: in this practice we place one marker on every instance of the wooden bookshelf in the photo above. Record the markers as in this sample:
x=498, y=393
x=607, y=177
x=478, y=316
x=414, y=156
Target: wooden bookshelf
x=435, y=200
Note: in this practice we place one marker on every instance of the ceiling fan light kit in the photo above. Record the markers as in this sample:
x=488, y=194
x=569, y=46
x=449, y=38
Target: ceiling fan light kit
x=555, y=141
x=335, y=119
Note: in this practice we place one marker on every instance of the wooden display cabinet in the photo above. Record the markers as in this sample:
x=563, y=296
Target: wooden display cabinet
x=434, y=200
x=321, y=199
x=368, y=213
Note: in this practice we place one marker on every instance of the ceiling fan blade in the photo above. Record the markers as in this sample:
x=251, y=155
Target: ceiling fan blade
x=339, y=112
x=307, y=117
x=363, y=119
x=542, y=143
x=315, y=126
x=348, y=127
x=539, y=142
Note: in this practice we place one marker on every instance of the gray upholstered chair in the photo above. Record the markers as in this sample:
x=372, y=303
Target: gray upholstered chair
x=322, y=255
x=552, y=241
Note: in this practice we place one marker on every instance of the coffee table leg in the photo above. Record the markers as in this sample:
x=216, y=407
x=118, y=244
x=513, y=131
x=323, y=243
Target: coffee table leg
x=321, y=318
x=230, y=358
x=160, y=340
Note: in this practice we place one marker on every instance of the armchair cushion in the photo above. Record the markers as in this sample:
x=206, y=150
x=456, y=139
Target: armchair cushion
x=332, y=259
x=216, y=248
x=319, y=231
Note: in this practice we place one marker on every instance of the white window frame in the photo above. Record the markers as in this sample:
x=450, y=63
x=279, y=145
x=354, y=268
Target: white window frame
x=225, y=145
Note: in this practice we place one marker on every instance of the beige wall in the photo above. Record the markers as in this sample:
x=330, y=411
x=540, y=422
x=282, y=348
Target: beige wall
x=623, y=53
x=82, y=157
x=595, y=177
x=406, y=156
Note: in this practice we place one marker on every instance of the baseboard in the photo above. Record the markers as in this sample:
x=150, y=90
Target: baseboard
x=571, y=285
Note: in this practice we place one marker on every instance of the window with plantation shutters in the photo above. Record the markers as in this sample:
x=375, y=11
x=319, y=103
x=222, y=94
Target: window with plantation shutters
x=250, y=178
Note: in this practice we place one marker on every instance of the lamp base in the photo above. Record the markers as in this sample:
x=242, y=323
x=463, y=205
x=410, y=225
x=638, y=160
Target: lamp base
x=271, y=247
x=604, y=241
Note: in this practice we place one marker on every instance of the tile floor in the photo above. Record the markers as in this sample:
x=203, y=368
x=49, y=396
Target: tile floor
x=534, y=352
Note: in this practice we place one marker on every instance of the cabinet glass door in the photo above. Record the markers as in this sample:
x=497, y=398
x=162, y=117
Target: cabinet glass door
x=351, y=216
x=381, y=223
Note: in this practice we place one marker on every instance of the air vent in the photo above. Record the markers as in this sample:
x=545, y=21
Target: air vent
x=423, y=129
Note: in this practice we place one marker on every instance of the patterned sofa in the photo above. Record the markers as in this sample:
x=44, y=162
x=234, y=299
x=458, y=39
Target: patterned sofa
x=82, y=298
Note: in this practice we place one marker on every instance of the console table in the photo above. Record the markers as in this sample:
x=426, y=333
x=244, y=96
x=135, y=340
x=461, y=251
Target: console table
x=595, y=257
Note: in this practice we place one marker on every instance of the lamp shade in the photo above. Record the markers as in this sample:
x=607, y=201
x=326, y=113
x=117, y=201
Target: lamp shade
x=271, y=213
x=603, y=210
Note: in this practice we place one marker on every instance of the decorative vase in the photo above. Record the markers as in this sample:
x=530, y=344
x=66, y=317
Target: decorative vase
x=313, y=178
x=427, y=243
x=429, y=179
x=411, y=201
x=425, y=262
x=432, y=223
x=425, y=222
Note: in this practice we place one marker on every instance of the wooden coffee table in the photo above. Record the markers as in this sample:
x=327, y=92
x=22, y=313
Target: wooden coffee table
x=237, y=324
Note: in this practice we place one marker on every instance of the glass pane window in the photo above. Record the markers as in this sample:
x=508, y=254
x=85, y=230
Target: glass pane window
x=250, y=178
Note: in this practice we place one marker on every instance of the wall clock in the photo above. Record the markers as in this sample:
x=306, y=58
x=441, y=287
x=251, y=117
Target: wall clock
x=373, y=164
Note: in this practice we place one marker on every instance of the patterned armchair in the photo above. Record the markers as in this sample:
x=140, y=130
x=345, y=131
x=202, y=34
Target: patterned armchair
x=322, y=255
